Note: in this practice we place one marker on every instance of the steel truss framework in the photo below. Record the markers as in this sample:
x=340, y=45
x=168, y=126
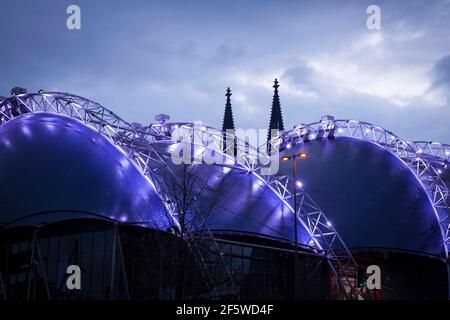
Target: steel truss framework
x=438, y=155
x=136, y=146
x=136, y=143
x=323, y=236
x=436, y=150
x=419, y=156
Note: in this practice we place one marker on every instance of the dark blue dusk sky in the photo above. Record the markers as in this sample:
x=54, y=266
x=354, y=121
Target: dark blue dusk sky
x=141, y=58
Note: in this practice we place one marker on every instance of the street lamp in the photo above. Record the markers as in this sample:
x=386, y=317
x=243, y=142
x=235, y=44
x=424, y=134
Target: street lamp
x=301, y=155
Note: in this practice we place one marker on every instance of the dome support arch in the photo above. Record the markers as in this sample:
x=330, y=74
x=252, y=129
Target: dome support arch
x=126, y=138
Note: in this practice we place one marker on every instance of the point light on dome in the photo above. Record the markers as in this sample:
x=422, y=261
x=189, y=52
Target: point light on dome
x=299, y=184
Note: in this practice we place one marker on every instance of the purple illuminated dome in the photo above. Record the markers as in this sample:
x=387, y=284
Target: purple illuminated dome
x=234, y=201
x=369, y=195
x=54, y=167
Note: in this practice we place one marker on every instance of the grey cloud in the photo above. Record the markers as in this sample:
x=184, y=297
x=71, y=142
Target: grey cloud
x=178, y=57
x=225, y=55
x=440, y=73
x=302, y=77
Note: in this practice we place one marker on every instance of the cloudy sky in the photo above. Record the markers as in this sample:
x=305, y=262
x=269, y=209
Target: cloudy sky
x=141, y=58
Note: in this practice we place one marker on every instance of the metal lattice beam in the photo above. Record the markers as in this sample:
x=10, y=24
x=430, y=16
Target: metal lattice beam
x=438, y=155
x=137, y=146
x=323, y=234
x=136, y=143
x=418, y=156
x=323, y=237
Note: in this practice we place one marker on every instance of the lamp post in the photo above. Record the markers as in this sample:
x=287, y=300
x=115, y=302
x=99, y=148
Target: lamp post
x=301, y=155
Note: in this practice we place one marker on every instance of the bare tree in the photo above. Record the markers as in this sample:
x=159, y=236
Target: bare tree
x=184, y=186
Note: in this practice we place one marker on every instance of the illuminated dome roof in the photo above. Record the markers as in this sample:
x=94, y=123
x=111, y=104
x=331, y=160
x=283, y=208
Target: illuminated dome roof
x=57, y=167
x=54, y=167
x=370, y=196
x=235, y=201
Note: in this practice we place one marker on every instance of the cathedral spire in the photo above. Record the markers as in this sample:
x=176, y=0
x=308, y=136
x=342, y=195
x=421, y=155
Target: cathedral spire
x=228, y=125
x=228, y=122
x=276, y=117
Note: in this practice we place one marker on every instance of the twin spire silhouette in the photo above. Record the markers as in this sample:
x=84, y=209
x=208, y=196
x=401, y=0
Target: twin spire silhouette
x=276, y=117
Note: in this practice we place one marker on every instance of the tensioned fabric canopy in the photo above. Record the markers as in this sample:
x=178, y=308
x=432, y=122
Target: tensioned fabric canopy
x=369, y=195
x=55, y=167
x=52, y=163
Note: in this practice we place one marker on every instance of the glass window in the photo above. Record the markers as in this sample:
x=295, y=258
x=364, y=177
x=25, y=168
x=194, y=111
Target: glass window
x=237, y=250
x=236, y=264
x=99, y=243
x=226, y=249
x=246, y=251
x=245, y=266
